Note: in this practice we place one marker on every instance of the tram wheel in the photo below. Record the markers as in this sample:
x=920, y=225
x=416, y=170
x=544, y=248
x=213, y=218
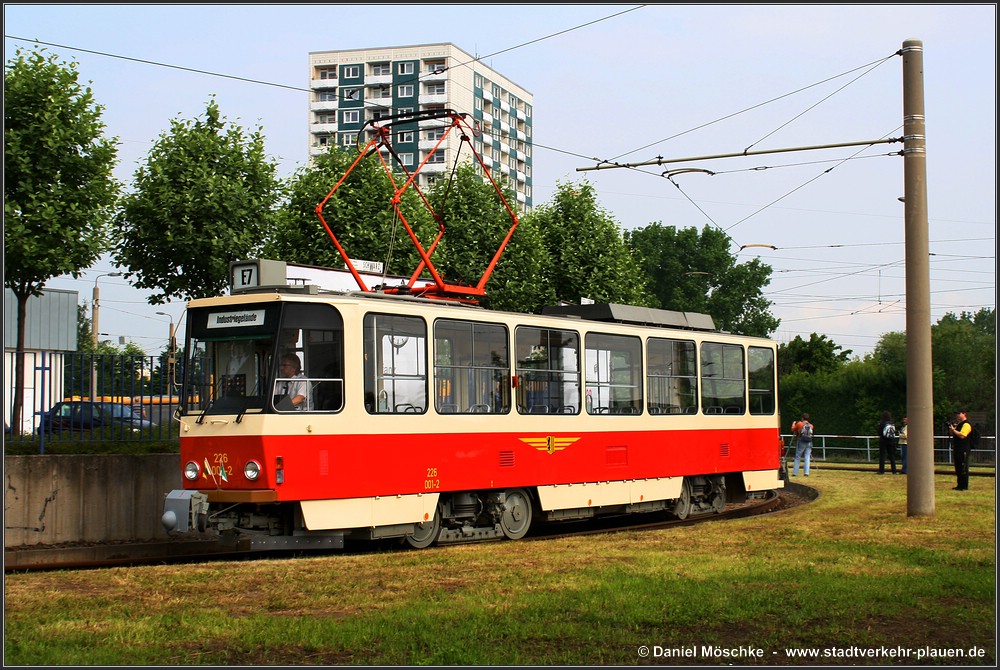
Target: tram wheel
x=516, y=516
x=682, y=507
x=425, y=534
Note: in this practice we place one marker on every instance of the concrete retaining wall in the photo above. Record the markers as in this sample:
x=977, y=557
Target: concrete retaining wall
x=86, y=498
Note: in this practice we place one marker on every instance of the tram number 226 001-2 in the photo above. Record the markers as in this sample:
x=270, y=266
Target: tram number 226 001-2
x=432, y=482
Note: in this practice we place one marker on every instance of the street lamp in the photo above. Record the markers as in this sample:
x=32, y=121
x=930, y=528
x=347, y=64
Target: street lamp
x=94, y=307
x=172, y=349
x=96, y=304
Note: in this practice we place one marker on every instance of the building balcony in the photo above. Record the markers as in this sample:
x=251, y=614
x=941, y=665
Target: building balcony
x=322, y=105
x=323, y=128
x=437, y=99
x=378, y=79
x=319, y=84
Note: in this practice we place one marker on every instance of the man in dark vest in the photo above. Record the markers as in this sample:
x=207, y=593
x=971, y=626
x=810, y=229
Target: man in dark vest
x=959, y=430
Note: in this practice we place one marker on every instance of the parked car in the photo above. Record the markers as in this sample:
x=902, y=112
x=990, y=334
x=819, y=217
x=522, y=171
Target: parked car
x=80, y=415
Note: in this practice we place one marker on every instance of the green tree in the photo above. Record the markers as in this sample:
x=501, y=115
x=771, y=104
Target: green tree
x=965, y=356
x=819, y=354
x=359, y=214
x=848, y=397
x=203, y=198
x=59, y=191
x=475, y=223
x=688, y=272
x=588, y=255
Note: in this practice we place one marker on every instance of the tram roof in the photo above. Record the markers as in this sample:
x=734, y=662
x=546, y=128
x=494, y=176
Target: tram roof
x=644, y=316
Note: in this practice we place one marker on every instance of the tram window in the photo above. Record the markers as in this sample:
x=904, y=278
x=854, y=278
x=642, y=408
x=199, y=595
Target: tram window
x=614, y=374
x=395, y=349
x=234, y=353
x=761, y=365
x=671, y=375
x=314, y=334
x=471, y=367
x=548, y=370
x=723, y=378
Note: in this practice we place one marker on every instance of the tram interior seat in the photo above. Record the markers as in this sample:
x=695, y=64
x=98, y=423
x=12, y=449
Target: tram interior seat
x=625, y=410
x=538, y=409
x=693, y=409
x=734, y=409
x=481, y=408
x=713, y=409
x=449, y=408
x=567, y=409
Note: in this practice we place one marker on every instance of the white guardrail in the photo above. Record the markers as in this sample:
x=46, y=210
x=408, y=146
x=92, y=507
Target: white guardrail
x=864, y=448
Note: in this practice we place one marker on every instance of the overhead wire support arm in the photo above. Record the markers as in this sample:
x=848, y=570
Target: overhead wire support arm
x=665, y=161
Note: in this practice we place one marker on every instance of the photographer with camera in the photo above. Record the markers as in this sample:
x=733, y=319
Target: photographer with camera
x=959, y=429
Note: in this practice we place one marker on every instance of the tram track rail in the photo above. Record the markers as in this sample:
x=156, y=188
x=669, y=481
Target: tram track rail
x=97, y=555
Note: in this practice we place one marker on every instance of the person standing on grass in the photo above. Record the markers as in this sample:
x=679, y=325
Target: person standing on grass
x=902, y=445
x=959, y=429
x=803, y=431
x=887, y=437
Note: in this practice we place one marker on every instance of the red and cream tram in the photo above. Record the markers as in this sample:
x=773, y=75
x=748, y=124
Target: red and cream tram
x=438, y=421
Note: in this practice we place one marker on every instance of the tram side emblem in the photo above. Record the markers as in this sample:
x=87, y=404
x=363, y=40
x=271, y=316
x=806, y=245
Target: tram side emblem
x=549, y=443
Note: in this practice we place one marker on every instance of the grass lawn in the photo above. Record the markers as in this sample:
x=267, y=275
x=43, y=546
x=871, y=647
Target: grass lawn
x=847, y=579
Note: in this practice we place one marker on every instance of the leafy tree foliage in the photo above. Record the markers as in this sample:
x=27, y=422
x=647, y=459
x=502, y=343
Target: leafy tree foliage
x=848, y=397
x=965, y=363
x=819, y=354
x=475, y=224
x=359, y=213
x=58, y=188
x=589, y=257
x=203, y=198
x=690, y=272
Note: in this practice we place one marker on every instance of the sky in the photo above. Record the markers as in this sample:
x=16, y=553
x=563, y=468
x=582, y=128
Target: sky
x=625, y=84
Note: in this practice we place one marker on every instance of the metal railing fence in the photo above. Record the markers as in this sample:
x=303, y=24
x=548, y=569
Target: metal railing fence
x=141, y=383
x=864, y=449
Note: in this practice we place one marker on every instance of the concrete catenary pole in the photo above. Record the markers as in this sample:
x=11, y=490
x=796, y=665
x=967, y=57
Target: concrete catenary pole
x=919, y=390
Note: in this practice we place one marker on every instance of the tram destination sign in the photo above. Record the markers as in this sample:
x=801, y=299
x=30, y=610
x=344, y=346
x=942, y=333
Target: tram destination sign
x=247, y=317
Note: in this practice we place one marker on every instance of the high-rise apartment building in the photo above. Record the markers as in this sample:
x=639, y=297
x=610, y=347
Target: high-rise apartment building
x=352, y=87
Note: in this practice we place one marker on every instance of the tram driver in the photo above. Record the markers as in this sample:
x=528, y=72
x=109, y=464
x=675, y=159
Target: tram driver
x=292, y=390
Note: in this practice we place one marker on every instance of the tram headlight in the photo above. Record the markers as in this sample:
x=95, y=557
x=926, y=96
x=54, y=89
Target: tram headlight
x=191, y=471
x=251, y=470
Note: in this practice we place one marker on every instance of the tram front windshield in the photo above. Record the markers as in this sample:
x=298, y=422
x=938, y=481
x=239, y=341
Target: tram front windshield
x=275, y=357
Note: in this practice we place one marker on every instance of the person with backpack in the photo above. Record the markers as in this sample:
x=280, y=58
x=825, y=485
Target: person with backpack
x=887, y=437
x=803, y=431
x=961, y=438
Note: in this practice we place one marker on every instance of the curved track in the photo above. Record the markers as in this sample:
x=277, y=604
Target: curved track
x=77, y=557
